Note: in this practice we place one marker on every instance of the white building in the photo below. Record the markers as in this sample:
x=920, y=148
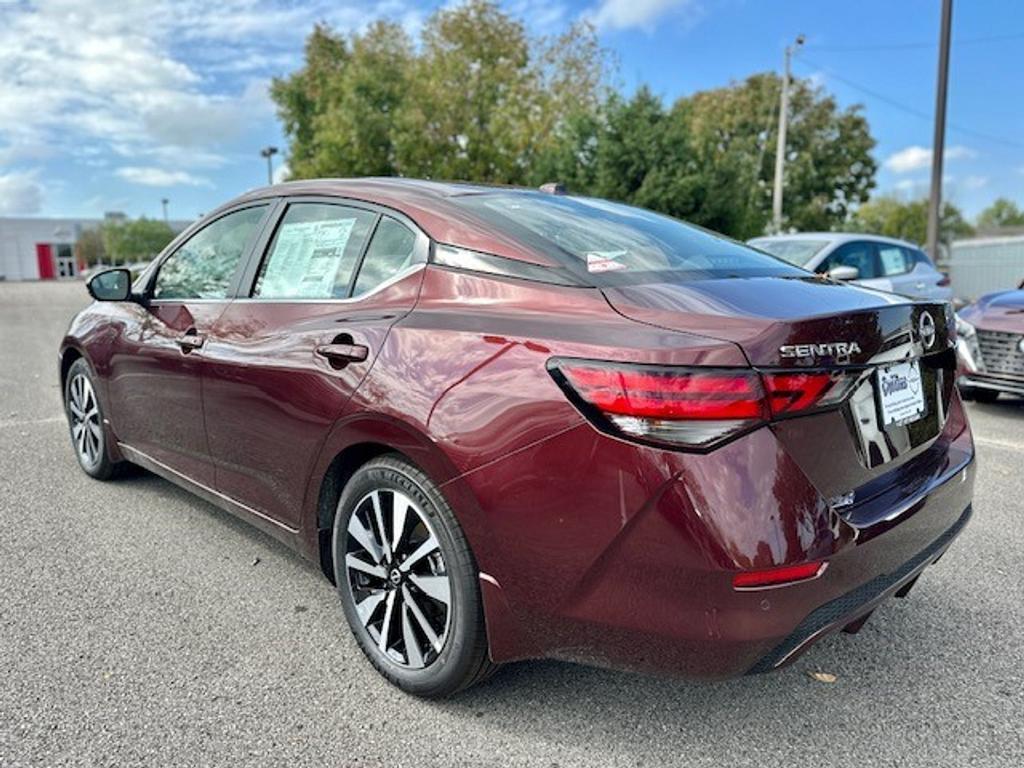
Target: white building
x=44, y=249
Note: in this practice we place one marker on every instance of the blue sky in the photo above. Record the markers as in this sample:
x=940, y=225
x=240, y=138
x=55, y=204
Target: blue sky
x=115, y=104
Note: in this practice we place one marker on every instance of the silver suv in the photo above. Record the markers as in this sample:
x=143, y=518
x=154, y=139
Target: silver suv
x=870, y=260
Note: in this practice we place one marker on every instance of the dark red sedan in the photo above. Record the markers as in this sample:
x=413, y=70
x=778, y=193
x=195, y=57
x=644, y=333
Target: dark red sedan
x=990, y=340
x=512, y=423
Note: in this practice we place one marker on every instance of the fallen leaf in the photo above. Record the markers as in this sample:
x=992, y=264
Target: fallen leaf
x=823, y=677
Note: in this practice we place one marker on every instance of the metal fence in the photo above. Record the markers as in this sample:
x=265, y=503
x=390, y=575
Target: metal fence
x=986, y=264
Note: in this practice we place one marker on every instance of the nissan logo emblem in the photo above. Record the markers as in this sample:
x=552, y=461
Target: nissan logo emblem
x=926, y=330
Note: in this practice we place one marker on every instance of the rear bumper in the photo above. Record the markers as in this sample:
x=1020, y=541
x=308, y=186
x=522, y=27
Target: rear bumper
x=848, y=608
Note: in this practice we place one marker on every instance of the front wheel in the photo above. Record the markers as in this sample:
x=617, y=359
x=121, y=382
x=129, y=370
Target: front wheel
x=85, y=420
x=408, y=580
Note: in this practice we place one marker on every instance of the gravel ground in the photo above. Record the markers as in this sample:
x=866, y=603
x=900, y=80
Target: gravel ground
x=140, y=625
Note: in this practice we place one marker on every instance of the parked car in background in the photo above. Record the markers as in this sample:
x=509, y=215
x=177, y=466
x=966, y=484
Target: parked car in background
x=990, y=345
x=869, y=260
x=510, y=424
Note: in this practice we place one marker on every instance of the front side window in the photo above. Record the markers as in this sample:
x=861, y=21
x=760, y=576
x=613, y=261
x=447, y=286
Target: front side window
x=203, y=266
x=860, y=255
x=392, y=250
x=614, y=243
x=314, y=252
x=893, y=259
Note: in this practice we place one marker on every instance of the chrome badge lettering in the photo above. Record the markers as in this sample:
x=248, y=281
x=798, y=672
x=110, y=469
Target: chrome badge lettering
x=829, y=349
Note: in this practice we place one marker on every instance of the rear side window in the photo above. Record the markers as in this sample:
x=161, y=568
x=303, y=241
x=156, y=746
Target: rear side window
x=613, y=243
x=894, y=259
x=314, y=252
x=795, y=252
x=859, y=254
x=392, y=250
x=204, y=265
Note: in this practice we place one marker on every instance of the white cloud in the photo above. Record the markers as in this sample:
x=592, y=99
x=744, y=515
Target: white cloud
x=153, y=76
x=976, y=182
x=159, y=177
x=915, y=158
x=282, y=173
x=640, y=14
x=20, y=193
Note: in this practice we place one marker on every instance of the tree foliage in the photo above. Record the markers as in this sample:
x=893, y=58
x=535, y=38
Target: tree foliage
x=137, y=240
x=908, y=220
x=480, y=99
x=89, y=247
x=1001, y=213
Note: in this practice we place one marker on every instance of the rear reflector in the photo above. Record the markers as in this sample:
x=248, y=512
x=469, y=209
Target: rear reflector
x=691, y=407
x=777, y=577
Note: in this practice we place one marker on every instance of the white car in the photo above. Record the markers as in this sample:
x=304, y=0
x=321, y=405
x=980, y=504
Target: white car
x=870, y=260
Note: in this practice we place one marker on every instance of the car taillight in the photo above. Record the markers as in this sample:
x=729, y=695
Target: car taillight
x=694, y=408
x=944, y=281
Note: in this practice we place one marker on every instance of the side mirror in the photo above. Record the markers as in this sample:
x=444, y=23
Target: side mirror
x=111, y=285
x=843, y=272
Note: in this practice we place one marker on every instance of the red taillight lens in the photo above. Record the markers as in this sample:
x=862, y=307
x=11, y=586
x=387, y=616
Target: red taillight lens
x=790, y=393
x=777, y=577
x=690, y=407
x=668, y=395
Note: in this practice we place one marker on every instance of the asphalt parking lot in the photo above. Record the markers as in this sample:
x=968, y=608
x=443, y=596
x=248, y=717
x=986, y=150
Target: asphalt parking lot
x=140, y=625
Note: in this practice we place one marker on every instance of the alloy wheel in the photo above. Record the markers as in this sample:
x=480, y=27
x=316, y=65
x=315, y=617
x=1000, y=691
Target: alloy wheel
x=397, y=578
x=84, y=412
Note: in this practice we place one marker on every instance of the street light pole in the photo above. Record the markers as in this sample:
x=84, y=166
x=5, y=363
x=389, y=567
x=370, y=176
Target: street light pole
x=164, y=201
x=780, y=147
x=269, y=152
x=939, y=142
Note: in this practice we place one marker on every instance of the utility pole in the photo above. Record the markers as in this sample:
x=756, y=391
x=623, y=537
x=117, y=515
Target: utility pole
x=269, y=152
x=780, y=147
x=164, y=201
x=939, y=142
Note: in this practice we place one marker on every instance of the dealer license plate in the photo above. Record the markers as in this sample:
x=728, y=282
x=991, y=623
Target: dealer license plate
x=900, y=393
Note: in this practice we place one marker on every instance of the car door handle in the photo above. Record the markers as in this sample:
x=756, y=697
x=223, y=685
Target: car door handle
x=190, y=341
x=343, y=353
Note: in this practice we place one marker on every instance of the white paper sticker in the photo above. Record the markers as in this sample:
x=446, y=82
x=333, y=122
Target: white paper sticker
x=305, y=259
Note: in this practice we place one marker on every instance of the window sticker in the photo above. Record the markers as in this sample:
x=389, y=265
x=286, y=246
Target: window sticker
x=605, y=261
x=305, y=258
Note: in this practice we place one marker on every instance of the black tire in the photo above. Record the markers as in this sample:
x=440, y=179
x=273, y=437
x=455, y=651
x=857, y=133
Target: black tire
x=422, y=670
x=93, y=456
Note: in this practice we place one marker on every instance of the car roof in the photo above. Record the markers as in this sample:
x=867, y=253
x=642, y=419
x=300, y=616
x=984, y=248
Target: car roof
x=835, y=238
x=430, y=204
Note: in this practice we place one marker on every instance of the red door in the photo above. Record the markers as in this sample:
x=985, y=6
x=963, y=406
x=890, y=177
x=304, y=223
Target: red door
x=44, y=258
x=284, y=362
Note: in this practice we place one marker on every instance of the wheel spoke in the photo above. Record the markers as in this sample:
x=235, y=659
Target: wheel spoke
x=358, y=564
x=379, y=515
x=77, y=412
x=368, y=606
x=421, y=619
x=399, y=511
x=413, y=654
x=436, y=587
x=94, y=429
x=385, y=627
x=365, y=537
x=420, y=552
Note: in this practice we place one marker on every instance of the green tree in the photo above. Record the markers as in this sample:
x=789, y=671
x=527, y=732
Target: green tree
x=477, y=99
x=908, y=220
x=89, y=247
x=138, y=240
x=1002, y=213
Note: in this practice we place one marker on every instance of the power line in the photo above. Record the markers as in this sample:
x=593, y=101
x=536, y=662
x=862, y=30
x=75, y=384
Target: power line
x=911, y=46
x=896, y=104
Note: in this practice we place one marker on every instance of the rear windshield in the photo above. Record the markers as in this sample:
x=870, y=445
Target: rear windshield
x=614, y=243
x=797, y=252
